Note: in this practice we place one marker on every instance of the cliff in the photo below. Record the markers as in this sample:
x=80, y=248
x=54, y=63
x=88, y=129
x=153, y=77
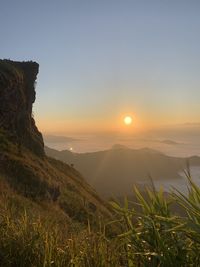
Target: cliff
x=25, y=171
x=17, y=95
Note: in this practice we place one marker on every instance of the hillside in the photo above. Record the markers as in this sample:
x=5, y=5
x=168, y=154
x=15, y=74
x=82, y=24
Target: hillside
x=115, y=171
x=27, y=176
x=50, y=216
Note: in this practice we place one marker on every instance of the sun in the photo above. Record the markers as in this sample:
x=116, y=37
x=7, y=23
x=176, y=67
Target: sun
x=128, y=120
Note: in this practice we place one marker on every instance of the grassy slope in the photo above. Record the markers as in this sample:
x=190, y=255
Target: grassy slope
x=48, y=214
x=35, y=233
x=45, y=180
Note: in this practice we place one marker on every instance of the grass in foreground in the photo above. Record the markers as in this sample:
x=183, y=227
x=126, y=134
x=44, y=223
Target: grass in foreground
x=150, y=235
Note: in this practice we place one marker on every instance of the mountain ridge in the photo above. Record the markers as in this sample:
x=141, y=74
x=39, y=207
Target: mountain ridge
x=115, y=171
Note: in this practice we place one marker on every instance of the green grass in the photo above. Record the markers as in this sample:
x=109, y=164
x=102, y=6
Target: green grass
x=27, y=241
x=154, y=236
x=148, y=235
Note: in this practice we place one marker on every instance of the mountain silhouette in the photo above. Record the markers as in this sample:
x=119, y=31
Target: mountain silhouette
x=116, y=170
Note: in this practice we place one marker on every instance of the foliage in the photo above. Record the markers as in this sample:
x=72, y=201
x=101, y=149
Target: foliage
x=27, y=241
x=149, y=234
x=153, y=236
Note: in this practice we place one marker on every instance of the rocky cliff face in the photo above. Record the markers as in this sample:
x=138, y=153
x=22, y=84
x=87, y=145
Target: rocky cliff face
x=25, y=171
x=17, y=95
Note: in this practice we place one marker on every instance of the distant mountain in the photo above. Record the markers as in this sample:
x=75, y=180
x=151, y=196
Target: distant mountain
x=119, y=146
x=169, y=142
x=115, y=171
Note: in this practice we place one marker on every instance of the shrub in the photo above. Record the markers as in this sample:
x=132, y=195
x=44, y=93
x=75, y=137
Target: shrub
x=153, y=236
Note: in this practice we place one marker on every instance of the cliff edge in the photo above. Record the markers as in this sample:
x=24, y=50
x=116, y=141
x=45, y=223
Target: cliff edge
x=25, y=171
x=17, y=95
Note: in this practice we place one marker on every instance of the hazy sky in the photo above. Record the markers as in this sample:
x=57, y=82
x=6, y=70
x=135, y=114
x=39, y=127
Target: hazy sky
x=102, y=59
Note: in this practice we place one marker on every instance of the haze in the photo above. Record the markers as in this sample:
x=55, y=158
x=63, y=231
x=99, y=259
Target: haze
x=101, y=60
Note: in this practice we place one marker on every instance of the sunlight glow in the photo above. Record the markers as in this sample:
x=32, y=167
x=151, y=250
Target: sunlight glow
x=128, y=120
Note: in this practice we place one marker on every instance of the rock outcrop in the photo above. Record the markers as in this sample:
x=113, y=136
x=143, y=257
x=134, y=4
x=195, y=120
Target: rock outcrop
x=17, y=95
x=24, y=169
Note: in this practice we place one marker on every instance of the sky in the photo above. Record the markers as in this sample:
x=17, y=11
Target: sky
x=103, y=59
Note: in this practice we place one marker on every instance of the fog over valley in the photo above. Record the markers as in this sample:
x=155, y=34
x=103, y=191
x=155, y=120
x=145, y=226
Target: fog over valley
x=125, y=159
x=179, y=140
